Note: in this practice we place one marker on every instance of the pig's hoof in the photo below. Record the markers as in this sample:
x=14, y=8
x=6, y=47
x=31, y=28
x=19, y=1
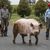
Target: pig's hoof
x=24, y=42
x=14, y=42
x=30, y=42
x=36, y=43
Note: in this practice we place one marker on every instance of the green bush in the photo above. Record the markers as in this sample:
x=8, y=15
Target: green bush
x=23, y=8
x=40, y=7
x=14, y=8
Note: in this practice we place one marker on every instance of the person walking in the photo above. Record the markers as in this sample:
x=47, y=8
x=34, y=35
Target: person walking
x=5, y=16
x=47, y=21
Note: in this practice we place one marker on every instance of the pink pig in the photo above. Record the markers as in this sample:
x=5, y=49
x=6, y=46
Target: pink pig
x=26, y=27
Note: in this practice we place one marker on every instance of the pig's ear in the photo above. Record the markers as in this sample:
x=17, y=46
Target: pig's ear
x=32, y=25
x=40, y=26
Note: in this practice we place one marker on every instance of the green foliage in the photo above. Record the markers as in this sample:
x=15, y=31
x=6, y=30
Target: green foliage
x=14, y=8
x=23, y=8
x=40, y=7
x=5, y=3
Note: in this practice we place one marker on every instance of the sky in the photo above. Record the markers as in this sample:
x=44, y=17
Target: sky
x=14, y=2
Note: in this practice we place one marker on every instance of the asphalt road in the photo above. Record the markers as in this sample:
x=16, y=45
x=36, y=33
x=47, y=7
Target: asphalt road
x=6, y=42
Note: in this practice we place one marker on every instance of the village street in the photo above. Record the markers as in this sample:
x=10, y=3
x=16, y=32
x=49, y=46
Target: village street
x=6, y=42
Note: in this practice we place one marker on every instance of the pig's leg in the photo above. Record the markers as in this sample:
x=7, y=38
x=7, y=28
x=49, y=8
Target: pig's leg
x=14, y=36
x=29, y=36
x=23, y=38
x=36, y=39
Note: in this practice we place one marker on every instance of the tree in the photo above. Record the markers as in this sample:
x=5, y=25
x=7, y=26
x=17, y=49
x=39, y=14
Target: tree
x=40, y=7
x=23, y=8
x=5, y=2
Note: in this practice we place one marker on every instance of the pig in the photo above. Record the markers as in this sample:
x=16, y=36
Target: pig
x=26, y=27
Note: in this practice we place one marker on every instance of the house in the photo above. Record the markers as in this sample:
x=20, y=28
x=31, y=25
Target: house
x=35, y=1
